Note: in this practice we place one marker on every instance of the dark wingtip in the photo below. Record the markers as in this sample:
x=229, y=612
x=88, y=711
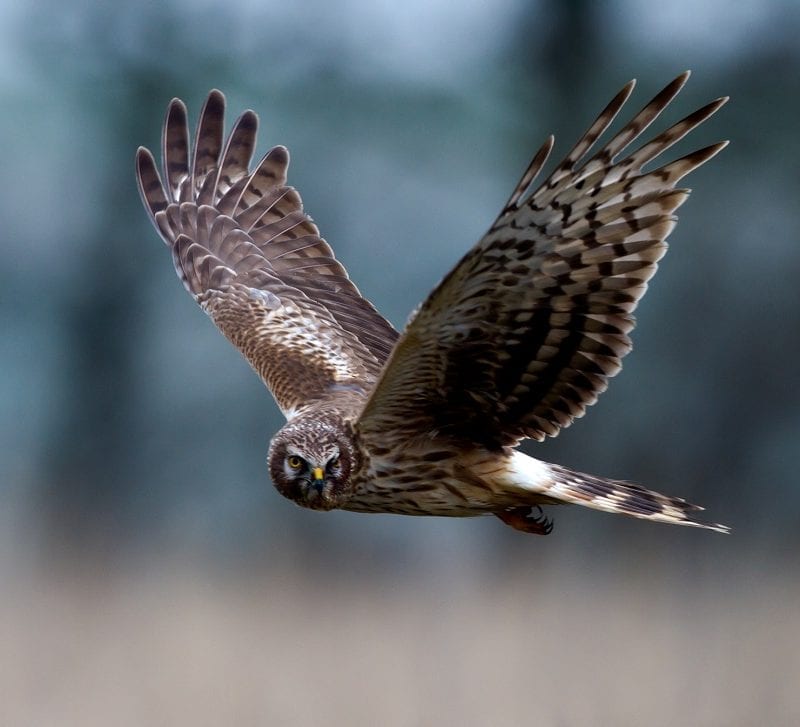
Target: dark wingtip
x=681, y=79
x=215, y=98
x=178, y=108
x=149, y=184
x=248, y=120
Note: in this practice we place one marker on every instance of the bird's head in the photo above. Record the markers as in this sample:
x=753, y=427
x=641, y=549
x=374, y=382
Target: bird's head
x=310, y=462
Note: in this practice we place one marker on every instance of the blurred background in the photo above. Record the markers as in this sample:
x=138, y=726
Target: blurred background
x=152, y=575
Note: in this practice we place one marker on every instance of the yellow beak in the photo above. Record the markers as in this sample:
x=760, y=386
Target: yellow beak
x=318, y=473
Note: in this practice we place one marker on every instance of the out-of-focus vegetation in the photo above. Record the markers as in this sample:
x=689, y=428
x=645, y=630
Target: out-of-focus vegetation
x=534, y=647
x=132, y=434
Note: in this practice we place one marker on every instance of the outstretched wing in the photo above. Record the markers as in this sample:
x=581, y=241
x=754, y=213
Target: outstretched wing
x=255, y=262
x=524, y=333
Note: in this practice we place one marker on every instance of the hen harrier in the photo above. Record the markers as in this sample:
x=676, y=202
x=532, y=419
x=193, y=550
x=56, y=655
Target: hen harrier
x=516, y=341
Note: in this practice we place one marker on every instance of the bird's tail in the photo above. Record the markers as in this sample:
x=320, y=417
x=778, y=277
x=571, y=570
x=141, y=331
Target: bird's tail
x=553, y=483
x=625, y=498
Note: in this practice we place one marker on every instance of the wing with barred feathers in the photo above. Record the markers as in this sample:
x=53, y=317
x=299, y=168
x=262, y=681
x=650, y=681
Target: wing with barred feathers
x=255, y=262
x=524, y=333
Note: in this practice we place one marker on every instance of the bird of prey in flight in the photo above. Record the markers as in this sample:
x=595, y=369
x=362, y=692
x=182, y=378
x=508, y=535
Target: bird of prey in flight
x=514, y=343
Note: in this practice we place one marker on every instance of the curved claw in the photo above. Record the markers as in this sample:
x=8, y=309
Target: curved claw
x=527, y=519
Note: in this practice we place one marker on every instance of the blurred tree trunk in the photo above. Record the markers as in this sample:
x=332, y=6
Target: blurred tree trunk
x=90, y=463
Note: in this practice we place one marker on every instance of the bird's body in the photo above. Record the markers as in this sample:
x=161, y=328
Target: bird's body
x=516, y=341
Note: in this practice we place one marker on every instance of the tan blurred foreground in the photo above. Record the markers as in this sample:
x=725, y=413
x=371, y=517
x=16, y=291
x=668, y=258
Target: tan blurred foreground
x=189, y=648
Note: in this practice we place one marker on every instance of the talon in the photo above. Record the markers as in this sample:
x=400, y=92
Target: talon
x=527, y=519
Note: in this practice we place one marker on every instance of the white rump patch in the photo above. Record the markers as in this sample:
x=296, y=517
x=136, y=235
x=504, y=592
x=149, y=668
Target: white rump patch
x=528, y=473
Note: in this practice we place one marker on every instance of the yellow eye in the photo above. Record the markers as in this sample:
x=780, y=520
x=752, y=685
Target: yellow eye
x=294, y=461
x=334, y=462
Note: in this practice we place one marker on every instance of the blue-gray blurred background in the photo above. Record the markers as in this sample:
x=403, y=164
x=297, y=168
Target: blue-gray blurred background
x=152, y=575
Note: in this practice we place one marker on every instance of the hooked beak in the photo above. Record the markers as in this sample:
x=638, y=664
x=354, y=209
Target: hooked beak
x=319, y=479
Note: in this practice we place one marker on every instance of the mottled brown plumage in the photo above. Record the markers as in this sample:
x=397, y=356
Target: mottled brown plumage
x=516, y=341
